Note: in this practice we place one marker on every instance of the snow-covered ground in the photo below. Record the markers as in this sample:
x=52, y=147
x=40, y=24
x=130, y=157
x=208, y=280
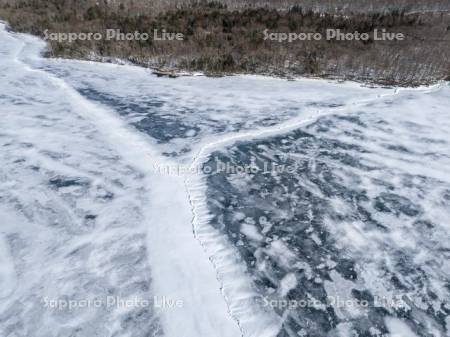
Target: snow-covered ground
x=105, y=195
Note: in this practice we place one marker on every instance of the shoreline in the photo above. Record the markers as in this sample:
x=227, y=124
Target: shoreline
x=174, y=72
x=178, y=72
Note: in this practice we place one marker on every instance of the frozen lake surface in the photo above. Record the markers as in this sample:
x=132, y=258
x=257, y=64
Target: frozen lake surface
x=239, y=206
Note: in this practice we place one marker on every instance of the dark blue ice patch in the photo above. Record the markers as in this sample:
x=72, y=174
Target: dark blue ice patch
x=163, y=129
x=64, y=181
x=396, y=204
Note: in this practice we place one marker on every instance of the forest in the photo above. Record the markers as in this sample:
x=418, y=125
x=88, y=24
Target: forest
x=227, y=37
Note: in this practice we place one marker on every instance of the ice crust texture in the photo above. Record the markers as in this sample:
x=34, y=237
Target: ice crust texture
x=361, y=212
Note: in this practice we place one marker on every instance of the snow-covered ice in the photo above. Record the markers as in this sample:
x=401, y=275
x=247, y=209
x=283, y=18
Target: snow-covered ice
x=105, y=193
x=360, y=215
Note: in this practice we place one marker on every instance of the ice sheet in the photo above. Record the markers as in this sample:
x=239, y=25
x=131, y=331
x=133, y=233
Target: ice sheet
x=104, y=193
x=358, y=212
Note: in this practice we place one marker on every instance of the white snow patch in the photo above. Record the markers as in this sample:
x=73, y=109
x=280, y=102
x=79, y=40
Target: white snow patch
x=287, y=283
x=251, y=232
x=398, y=328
